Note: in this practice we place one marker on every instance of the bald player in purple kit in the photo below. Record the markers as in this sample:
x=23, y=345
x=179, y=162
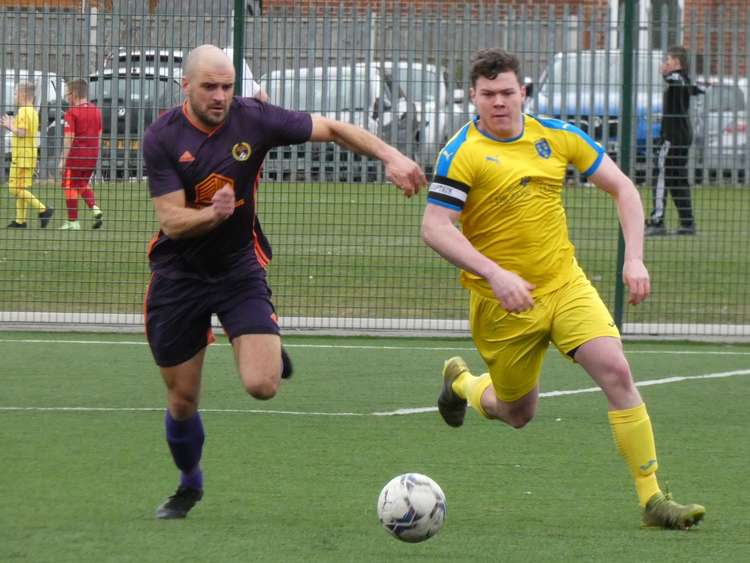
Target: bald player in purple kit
x=203, y=161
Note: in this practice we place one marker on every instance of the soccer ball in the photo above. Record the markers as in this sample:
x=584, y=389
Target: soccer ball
x=411, y=507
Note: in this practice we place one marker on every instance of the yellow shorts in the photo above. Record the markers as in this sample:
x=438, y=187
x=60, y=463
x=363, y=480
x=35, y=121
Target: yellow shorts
x=513, y=345
x=19, y=177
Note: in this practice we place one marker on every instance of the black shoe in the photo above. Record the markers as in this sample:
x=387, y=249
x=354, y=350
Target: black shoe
x=286, y=365
x=686, y=230
x=655, y=230
x=450, y=406
x=45, y=216
x=179, y=504
x=98, y=220
x=14, y=225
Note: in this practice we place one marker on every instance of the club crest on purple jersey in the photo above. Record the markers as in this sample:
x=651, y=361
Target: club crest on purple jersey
x=241, y=151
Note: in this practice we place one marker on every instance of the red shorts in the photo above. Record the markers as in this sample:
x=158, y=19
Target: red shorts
x=77, y=177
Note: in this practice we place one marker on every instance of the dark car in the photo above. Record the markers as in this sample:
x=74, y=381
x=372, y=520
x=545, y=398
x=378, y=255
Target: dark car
x=130, y=99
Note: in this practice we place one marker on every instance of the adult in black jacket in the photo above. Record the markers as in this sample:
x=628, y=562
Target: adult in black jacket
x=676, y=138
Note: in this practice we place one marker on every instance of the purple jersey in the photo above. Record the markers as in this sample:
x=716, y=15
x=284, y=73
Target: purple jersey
x=181, y=155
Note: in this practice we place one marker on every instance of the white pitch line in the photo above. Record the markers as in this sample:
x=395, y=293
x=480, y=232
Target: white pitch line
x=360, y=347
x=397, y=412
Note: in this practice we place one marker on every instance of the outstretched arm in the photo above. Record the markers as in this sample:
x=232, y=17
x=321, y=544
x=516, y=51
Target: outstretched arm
x=400, y=170
x=440, y=233
x=612, y=180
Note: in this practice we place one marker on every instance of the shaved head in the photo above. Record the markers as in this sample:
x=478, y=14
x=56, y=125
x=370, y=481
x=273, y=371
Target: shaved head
x=206, y=57
x=208, y=83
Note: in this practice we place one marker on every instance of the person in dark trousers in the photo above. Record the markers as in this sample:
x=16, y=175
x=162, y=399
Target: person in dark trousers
x=676, y=138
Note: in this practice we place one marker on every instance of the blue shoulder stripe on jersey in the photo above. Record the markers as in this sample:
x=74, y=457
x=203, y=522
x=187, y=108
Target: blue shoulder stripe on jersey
x=449, y=151
x=564, y=126
x=594, y=167
x=441, y=203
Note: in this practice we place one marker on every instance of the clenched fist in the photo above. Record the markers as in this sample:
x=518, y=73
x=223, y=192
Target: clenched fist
x=223, y=203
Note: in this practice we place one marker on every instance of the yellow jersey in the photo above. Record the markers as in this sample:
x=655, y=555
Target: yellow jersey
x=509, y=195
x=23, y=149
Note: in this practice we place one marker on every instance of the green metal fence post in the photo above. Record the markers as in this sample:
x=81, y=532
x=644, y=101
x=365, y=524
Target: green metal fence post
x=629, y=25
x=238, y=42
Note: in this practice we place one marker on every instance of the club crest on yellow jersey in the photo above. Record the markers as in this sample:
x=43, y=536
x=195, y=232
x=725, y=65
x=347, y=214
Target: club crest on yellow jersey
x=542, y=148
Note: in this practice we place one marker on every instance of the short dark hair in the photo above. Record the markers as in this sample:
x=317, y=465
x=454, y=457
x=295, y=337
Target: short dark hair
x=491, y=62
x=680, y=53
x=78, y=87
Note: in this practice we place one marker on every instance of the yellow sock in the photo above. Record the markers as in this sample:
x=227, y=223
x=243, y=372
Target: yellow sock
x=634, y=437
x=24, y=198
x=472, y=388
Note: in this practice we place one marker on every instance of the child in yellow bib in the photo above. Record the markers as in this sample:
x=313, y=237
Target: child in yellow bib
x=24, y=130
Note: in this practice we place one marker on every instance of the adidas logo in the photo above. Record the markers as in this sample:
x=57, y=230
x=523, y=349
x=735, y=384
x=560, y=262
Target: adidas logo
x=186, y=157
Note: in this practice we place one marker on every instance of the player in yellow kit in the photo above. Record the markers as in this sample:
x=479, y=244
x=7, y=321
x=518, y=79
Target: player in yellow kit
x=502, y=176
x=24, y=129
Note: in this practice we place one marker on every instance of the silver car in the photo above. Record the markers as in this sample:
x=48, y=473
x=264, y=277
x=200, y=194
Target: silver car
x=720, y=123
x=354, y=93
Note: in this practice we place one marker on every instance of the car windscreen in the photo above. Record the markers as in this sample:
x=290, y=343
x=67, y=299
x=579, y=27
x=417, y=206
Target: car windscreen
x=599, y=71
x=130, y=103
x=337, y=89
x=134, y=90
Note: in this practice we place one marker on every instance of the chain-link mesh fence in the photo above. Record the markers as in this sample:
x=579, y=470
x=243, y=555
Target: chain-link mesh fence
x=347, y=254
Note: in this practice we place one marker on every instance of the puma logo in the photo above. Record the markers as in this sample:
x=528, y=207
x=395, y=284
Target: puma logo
x=647, y=466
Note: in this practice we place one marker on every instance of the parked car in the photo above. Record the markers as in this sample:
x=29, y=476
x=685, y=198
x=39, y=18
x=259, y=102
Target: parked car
x=720, y=121
x=439, y=107
x=132, y=93
x=48, y=101
x=130, y=100
x=583, y=87
x=358, y=94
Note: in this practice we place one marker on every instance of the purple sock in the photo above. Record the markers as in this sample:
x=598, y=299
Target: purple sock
x=185, y=439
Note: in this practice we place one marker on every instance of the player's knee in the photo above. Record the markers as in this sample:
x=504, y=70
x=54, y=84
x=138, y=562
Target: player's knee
x=618, y=385
x=182, y=406
x=520, y=419
x=517, y=416
x=262, y=388
x=620, y=378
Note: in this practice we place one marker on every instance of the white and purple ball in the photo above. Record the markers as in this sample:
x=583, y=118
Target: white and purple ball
x=411, y=507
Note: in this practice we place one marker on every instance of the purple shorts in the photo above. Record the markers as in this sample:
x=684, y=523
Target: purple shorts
x=178, y=313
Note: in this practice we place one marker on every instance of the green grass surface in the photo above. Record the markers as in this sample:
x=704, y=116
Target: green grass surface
x=284, y=484
x=354, y=251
